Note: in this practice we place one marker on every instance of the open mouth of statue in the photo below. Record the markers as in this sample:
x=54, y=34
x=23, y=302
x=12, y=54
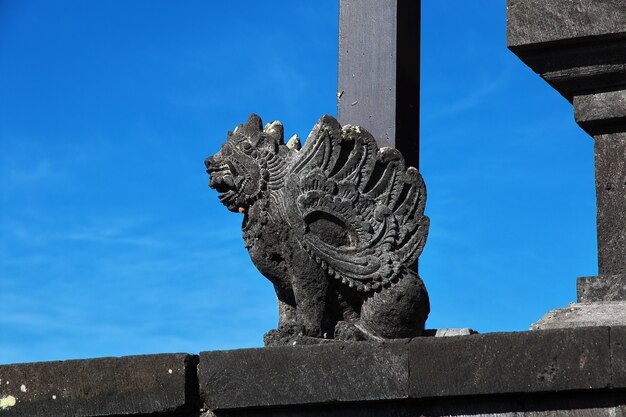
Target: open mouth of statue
x=225, y=185
x=222, y=179
x=222, y=183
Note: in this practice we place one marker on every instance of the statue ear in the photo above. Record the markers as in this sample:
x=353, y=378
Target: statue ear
x=253, y=126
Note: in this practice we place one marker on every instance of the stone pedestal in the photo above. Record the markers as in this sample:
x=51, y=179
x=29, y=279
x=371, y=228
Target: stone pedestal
x=602, y=288
x=579, y=48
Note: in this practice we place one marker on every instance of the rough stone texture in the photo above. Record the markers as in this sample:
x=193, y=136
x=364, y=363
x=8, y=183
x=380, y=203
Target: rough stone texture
x=579, y=47
x=540, y=21
x=603, y=288
x=100, y=387
x=425, y=369
x=509, y=363
x=584, y=315
x=610, y=161
x=618, y=357
x=581, y=404
x=601, y=112
x=336, y=226
x=576, y=372
x=319, y=374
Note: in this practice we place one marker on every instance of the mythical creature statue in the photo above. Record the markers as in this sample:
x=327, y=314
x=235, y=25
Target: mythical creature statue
x=336, y=226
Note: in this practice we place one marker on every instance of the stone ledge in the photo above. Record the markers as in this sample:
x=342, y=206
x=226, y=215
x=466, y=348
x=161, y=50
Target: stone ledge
x=510, y=363
x=295, y=375
x=544, y=21
x=601, y=112
x=578, y=47
x=484, y=368
x=580, y=315
x=563, y=360
x=100, y=387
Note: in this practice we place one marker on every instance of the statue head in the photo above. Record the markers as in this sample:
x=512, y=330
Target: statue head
x=239, y=170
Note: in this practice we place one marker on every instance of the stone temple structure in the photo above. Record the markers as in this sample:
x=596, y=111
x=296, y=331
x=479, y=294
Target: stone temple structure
x=571, y=364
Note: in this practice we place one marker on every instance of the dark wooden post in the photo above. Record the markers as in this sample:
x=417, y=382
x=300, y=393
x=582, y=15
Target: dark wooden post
x=379, y=69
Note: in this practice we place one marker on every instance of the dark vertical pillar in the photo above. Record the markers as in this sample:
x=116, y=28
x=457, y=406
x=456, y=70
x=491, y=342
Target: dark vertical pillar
x=379, y=69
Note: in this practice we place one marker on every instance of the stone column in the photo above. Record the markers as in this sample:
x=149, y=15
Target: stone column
x=579, y=48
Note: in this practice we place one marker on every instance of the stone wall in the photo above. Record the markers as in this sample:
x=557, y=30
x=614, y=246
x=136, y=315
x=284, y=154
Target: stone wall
x=562, y=372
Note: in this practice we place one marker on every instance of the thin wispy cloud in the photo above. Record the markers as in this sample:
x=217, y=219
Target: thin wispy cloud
x=483, y=95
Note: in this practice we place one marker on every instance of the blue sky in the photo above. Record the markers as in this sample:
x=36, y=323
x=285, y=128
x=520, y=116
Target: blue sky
x=112, y=244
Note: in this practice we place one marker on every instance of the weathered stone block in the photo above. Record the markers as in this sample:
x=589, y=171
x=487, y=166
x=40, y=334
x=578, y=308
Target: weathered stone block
x=539, y=21
x=292, y=375
x=602, y=288
x=579, y=47
x=507, y=363
x=100, y=387
x=618, y=357
x=594, y=314
x=610, y=162
x=601, y=112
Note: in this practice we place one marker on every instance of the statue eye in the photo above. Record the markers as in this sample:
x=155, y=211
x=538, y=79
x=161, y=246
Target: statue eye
x=247, y=148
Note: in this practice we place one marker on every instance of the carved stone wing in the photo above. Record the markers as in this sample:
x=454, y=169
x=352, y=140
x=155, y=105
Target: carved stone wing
x=356, y=209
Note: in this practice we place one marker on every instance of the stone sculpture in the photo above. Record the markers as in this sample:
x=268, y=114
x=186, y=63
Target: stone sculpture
x=336, y=226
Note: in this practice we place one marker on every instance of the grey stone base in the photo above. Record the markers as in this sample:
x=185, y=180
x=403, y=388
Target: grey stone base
x=609, y=313
x=601, y=288
x=577, y=372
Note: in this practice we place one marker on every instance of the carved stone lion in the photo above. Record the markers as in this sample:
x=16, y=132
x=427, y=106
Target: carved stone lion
x=336, y=226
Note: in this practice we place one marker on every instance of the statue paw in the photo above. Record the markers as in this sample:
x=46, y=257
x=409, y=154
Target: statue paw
x=347, y=331
x=285, y=333
x=291, y=334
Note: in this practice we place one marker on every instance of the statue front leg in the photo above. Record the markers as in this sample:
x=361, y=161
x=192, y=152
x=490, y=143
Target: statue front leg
x=399, y=311
x=286, y=308
x=311, y=292
x=288, y=326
